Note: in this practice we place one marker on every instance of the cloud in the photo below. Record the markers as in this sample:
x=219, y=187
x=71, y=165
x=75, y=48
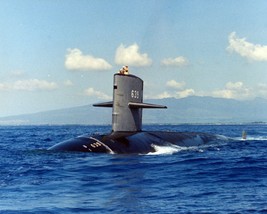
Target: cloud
x=17, y=73
x=185, y=93
x=29, y=85
x=175, y=85
x=232, y=90
x=68, y=83
x=93, y=93
x=178, y=61
x=163, y=95
x=3, y=87
x=176, y=90
x=246, y=49
x=75, y=60
x=131, y=56
x=236, y=90
x=179, y=89
x=176, y=94
x=34, y=84
x=239, y=91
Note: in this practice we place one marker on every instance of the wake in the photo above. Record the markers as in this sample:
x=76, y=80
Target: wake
x=172, y=149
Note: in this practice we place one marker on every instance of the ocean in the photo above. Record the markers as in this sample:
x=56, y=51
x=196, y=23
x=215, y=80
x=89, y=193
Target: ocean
x=228, y=177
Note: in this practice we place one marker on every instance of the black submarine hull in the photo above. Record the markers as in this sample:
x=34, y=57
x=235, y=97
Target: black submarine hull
x=142, y=142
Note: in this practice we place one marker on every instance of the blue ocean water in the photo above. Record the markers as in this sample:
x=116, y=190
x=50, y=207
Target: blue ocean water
x=229, y=177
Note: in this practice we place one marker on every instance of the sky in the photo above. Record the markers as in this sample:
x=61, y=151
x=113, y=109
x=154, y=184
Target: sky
x=58, y=54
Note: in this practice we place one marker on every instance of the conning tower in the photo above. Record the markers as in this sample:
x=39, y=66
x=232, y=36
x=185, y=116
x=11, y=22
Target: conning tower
x=127, y=102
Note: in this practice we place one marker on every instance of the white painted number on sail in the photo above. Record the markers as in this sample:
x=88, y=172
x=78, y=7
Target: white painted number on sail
x=135, y=94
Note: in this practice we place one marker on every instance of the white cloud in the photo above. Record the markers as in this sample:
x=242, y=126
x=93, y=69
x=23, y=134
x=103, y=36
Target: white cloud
x=175, y=85
x=3, y=87
x=17, y=73
x=235, y=90
x=176, y=94
x=29, y=85
x=131, y=56
x=93, y=93
x=75, y=60
x=178, y=61
x=177, y=90
x=163, y=95
x=232, y=90
x=34, y=84
x=68, y=83
x=246, y=49
x=185, y=93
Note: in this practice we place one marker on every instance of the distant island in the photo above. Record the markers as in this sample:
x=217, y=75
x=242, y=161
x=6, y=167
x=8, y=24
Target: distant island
x=193, y=109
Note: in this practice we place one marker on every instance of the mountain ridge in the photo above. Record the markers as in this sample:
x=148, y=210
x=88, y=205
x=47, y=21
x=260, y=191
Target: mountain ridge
x=193, y=109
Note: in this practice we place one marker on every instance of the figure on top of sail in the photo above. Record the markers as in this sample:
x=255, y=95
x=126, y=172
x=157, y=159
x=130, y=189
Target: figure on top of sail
x=124, y=70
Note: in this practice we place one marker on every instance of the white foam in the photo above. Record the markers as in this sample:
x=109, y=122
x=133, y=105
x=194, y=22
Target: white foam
x=260, y=138
x=166, y=150
x=172, y=149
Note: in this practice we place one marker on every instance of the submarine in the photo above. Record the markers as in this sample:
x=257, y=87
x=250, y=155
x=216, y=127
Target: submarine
x=126, y=136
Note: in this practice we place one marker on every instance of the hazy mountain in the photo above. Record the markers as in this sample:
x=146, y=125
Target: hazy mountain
x=210, y=110
x=186, y=110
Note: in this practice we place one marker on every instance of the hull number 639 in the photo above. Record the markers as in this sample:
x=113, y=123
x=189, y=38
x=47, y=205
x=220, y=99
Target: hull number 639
x=135, y=94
